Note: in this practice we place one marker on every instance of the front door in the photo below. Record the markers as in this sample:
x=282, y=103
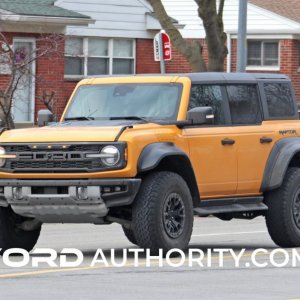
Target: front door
x=23, y=100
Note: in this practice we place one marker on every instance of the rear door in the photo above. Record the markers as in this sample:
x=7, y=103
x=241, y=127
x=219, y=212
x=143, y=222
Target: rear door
x=212, y=150
x=254, y=138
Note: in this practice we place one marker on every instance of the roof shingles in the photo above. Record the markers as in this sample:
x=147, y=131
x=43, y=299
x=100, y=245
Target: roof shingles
x=45, y=8
x=288, y=8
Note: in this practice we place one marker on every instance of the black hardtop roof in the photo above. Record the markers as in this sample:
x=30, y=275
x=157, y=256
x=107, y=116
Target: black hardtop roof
x=207, y=77
x=234, y=77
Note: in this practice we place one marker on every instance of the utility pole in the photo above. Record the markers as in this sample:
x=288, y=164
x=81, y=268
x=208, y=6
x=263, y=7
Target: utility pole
x=242, y=37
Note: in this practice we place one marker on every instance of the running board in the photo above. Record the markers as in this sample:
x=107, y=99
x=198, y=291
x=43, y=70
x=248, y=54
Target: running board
x=230, y=205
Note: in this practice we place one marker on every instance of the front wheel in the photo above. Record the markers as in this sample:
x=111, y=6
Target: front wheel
x=162, y=216
x=283, y=215
x=129, y=234
x=11, y=235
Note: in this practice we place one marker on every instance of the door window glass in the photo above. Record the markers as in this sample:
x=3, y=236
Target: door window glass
x=208, y=95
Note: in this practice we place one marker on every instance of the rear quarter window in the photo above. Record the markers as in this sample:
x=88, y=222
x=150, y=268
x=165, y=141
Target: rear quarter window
x=280, y=100
x=244, y=104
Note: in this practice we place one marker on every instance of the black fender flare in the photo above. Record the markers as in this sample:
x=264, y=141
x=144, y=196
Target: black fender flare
x=279, y=159
x=154, y=153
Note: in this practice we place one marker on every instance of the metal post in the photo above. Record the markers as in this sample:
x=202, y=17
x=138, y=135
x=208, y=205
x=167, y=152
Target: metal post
x=242, y=37
x=161, y=54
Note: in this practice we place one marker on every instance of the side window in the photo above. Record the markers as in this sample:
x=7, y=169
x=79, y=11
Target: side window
x=208, y=95
x=279, y=99
x=244, y=104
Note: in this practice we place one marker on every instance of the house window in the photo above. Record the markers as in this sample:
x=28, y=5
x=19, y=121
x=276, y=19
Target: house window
x=123, y=49
x=263, y=54
x=74, y=60
x=98, y=56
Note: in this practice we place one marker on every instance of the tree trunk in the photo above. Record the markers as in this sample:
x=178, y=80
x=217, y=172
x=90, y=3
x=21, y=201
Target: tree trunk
x=215, y=36
x=191, y=51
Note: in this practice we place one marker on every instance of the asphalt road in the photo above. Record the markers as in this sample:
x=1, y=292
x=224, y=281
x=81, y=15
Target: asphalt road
x=129, y=282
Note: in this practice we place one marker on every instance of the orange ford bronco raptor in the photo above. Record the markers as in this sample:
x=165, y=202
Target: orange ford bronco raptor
x=150, y=152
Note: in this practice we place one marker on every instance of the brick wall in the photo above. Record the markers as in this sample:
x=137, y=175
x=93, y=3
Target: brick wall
x=289, y=64
x=50, y=78
x=145, y=63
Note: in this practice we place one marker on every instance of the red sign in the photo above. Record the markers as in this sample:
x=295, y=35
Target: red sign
x=166, y=47
x=167, y=54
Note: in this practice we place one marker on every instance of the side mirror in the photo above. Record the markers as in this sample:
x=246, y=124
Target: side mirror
x=200, y=115
x=45, y=116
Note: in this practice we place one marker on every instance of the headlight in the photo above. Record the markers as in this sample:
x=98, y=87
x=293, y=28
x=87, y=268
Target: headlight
x=110, y=155
x=2, y=160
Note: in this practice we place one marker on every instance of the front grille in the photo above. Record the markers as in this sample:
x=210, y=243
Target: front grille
x=54, y=147
x=58, y=158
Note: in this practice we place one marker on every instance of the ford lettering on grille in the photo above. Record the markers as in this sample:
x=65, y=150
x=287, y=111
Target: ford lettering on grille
x=51, y=156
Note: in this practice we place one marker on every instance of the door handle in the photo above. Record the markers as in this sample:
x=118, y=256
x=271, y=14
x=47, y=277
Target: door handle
x=266, y=140
x=227, y=142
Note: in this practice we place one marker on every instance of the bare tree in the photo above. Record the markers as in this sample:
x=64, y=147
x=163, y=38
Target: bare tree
x=18, y=62
x=212, y=18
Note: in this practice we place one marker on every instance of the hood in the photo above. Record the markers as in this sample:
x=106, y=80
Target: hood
x=83, y=131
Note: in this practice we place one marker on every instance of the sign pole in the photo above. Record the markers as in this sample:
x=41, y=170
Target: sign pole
x=161, y=50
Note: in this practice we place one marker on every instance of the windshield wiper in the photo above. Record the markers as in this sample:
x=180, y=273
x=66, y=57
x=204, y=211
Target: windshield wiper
x=80, y=118
x=130, y=118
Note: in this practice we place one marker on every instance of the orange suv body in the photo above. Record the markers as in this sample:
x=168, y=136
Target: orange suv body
x=150, y=152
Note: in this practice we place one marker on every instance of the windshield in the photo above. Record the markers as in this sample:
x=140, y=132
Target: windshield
x=146, y=101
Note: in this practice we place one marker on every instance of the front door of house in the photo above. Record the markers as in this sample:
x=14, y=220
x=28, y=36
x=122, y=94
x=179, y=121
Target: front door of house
x=23, y=100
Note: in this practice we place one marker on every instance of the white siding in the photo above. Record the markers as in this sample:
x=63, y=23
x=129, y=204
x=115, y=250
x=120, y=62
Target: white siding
x=259, y=20
x=117, y=18
x=114, y=18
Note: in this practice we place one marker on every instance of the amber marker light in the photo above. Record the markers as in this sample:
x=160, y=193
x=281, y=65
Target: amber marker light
x=8, y=156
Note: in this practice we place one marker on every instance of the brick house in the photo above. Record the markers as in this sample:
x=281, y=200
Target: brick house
x=120, y=40
x=26, y=25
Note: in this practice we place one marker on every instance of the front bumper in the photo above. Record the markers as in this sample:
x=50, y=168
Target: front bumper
x=67, y=201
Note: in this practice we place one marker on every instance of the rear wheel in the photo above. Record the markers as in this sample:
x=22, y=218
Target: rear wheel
x=283, y=215
x=11, y=235
x=162, y=215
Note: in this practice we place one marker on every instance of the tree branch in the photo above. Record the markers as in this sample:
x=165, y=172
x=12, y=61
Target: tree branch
x=221, y=8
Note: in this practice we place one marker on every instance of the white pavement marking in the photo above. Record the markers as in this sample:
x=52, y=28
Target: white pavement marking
x=228, y=233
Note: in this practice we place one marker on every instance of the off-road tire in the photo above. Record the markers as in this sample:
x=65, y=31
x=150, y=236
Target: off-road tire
x=150, y=226
x=280, y=217
x=130, y=235
x=11, y=236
